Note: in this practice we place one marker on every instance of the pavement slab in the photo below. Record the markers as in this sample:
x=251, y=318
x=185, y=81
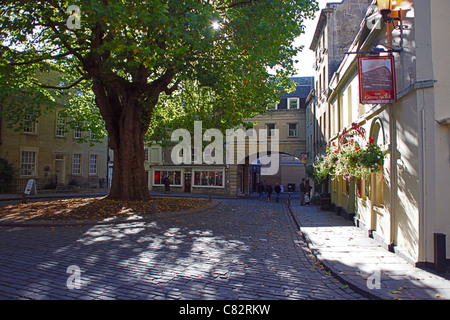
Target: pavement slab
x=362, y=262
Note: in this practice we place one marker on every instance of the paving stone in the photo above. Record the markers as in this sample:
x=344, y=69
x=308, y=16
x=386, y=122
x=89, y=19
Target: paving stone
x=246, y=250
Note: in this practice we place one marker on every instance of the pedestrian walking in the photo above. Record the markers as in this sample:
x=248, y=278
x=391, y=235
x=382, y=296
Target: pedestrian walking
x=269, y=191
x=277, y=190
x=307, y=192
x=261, y=190
x=302, y=192
x=167, y=184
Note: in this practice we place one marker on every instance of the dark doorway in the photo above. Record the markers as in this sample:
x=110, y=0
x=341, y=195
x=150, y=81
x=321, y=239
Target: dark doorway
x=187, y=182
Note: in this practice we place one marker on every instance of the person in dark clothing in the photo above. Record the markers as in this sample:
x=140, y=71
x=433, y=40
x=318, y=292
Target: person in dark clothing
x=307, y=192
x=277, y=190
x=302, y=192
x=167, y=184
x=261, y=190
x=269, y=191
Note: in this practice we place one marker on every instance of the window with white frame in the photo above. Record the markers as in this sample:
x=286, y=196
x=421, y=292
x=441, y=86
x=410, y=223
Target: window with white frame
x=272, y=106
x=77, y=133
x=76, y=166
x=292, y=129
x=293, y=103
x=208, y=178
x=60, y=125
x=28, y=163
x=30, y=126
x=174, y=176
x=93, y=163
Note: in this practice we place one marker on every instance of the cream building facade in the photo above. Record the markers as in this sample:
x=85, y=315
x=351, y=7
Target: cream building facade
x=49, y=152
x=241, y=177
x=406, y=203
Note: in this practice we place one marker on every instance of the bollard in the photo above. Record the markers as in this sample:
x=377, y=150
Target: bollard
x=24, y=198
x=440, y=252
x=210, y=197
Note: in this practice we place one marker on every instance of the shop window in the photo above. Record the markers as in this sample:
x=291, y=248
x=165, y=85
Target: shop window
x=173, y=175
x=208, y=178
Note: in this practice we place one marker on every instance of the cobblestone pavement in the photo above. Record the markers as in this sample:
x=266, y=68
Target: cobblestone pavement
x=242, y=249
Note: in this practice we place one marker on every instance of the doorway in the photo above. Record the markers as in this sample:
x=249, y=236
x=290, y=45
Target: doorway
x=60, y=169
x=187, y=182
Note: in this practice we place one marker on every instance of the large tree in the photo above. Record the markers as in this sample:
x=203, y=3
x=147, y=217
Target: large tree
x=131, y=53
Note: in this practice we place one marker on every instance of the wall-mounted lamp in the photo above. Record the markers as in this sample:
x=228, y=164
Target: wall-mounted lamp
x=385, y=7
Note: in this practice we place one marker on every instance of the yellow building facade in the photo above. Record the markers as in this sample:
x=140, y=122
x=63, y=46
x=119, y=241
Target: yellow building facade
x=49, y=152
x=406, y=203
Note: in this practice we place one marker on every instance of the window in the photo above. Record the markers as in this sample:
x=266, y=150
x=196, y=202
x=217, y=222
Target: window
x=30, y=126
x=272, y=106
x=155, y=154
x=76, y=166
x=293, y=103
x=160, y=175
x=208, y=178
x=60, y=125
x=292, y=129
x=270, y=129
x=28, y=163
x=77, y=132
x=93, y=164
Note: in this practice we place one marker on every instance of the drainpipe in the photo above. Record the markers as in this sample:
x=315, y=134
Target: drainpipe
x=423, y=206
x=393, y=164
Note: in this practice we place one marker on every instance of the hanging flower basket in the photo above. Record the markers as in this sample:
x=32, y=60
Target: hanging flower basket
x=349, y=160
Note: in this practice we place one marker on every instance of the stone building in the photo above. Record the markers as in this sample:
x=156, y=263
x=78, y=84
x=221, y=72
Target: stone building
x=49, y=152
x=240, y=177
x=405, y=204
x=336, y=29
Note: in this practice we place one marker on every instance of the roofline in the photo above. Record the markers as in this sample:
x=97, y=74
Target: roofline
x=320, y=24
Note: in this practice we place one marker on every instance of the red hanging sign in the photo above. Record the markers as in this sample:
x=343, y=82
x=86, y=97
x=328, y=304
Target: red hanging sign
x=377, y=79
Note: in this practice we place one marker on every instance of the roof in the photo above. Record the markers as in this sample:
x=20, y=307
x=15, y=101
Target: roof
x=319, y=27
x=304, y=86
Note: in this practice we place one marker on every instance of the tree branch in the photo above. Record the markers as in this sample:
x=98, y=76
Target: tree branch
x=66, y=45
x=169, y=91
x=63, y=88
x=238, y=4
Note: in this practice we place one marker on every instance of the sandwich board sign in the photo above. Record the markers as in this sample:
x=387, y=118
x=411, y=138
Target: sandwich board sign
x=31, y=187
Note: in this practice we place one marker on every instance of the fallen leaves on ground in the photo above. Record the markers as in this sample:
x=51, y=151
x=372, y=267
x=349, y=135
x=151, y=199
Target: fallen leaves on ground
x=95, y=208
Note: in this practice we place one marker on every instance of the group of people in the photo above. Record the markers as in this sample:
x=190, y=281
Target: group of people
x=266, y=190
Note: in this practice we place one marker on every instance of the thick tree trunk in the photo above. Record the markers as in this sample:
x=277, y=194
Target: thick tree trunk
x=127, y=141
x=129, y=177
x=126, y=127
x=127, y=116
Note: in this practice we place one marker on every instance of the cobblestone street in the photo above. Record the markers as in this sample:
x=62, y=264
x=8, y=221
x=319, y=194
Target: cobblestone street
x=242, y=249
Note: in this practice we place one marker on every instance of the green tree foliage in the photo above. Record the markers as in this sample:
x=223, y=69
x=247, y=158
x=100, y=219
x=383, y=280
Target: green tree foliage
x=126, y=56
x=7, y=174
